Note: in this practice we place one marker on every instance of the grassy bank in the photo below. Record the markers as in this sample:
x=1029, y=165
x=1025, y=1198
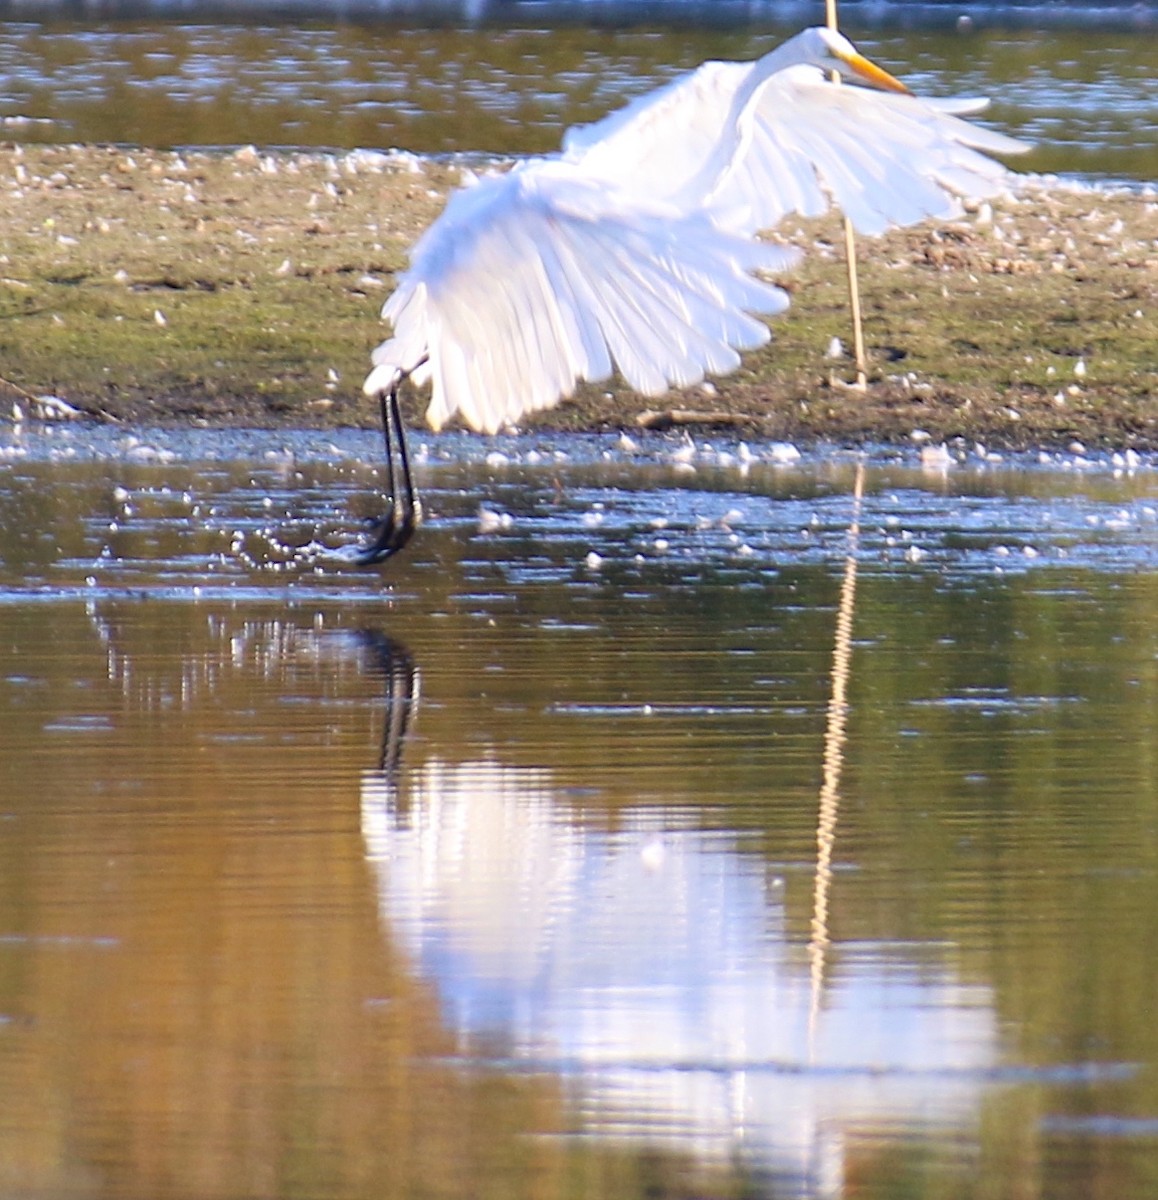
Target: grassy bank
x=244, y=288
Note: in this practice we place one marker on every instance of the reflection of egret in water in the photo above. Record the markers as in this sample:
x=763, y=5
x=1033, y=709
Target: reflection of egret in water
x=650, y=967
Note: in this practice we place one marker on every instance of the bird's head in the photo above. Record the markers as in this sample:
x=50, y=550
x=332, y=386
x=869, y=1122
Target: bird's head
x=836, y=52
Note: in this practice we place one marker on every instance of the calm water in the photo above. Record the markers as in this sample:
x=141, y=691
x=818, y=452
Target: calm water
x=497, y=874
x=1088, y=99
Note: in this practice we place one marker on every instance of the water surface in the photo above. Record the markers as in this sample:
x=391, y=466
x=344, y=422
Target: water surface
x=498, y=872
x=1087, y=98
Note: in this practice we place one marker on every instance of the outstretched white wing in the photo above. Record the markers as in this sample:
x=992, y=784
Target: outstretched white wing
x=534, y=280
x=754, y=142
x=884, y=159
x=662, y=143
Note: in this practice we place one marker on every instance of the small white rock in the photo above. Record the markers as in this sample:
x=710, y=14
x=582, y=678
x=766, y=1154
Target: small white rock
x=53, y=408
x=936, y=458
x=490, y=521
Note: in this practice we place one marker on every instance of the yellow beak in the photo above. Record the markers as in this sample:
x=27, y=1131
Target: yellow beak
x=871, y=73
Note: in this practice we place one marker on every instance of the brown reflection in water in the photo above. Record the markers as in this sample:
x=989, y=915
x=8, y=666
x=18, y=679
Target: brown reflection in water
x=202, y=999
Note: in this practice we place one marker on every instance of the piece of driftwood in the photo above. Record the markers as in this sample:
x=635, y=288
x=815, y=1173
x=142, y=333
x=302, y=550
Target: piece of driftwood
x=670, y=417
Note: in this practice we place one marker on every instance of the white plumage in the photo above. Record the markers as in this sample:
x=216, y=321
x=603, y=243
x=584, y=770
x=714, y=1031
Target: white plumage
x=634, y=247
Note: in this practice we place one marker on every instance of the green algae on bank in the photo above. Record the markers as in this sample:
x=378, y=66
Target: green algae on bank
x=243, y=288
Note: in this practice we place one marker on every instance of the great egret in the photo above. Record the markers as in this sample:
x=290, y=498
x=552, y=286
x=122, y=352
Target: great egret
x=634, y=246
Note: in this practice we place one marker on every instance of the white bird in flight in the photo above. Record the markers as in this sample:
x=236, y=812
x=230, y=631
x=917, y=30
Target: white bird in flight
x=634, y=248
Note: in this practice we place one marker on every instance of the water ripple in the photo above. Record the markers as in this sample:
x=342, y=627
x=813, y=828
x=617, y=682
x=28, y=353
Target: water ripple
x=1086, y=97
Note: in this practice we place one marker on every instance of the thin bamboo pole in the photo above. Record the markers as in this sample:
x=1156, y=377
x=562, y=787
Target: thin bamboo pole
x=850, y=252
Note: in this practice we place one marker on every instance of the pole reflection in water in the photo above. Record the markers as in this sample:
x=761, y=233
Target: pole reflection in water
x=833, y=760
x=648, y=966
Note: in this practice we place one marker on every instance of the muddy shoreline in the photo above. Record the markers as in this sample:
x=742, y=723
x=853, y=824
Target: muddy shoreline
x=242, y=288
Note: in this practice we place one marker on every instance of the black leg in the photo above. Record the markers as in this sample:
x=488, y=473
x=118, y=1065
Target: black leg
x=397, y=525
x=398, y=669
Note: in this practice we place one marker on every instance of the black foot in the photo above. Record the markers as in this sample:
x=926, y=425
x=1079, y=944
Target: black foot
x=389, y=534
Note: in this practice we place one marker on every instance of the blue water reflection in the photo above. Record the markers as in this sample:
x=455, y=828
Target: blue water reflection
x=651, y=964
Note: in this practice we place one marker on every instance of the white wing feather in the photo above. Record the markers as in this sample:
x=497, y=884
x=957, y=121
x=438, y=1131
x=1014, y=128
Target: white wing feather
x=536, y=279
x=884, y=159
x=658, y=144
x=755, y=142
